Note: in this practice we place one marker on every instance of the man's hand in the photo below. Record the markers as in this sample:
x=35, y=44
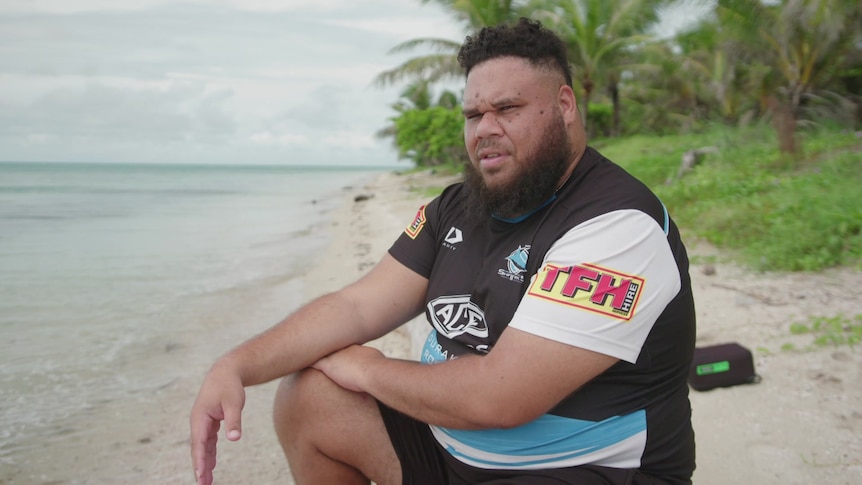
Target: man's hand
x=221, y=398
x=347, y=367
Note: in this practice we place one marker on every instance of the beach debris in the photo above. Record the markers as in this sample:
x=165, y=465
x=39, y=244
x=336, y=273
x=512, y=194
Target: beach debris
x=689, y=159
x=746, y=297
x=363, y=197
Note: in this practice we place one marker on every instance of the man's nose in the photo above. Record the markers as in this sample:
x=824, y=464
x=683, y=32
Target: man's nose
x=488, y=126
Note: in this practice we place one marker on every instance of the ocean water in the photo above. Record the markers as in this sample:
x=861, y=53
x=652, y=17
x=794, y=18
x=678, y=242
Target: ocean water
x=103, y=267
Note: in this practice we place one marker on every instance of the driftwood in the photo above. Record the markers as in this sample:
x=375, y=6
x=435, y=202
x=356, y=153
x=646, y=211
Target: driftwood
x=689, y=160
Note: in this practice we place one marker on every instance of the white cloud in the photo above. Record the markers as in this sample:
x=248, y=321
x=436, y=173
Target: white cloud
x=285, y=139
x=39, y=138
x=406, y=27
x=375, y=7
x=350, y=139
x=201, y=81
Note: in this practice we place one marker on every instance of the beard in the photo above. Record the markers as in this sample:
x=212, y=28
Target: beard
x=534, y=182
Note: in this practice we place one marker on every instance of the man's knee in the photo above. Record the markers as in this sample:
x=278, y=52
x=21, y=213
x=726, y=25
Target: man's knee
x=313, y=416
x=308, y=401
x=296, y=386
x=298, y=396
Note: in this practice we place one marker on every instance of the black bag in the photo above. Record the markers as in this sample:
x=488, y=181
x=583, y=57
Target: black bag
x=722, y=365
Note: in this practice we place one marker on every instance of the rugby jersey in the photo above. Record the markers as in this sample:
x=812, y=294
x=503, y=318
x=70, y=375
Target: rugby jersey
x=602, y=267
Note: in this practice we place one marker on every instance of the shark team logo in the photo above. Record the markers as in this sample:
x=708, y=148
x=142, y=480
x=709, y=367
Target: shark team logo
x=516, y=264
x=456, y=315
x=589, y=287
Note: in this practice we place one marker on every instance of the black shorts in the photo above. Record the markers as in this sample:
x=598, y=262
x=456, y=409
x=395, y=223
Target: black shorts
x=425, y=462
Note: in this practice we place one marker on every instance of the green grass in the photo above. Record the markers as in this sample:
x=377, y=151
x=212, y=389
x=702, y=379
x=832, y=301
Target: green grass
x=443, y=170
x=833, y=331
x=767, y=211
x=771, y=211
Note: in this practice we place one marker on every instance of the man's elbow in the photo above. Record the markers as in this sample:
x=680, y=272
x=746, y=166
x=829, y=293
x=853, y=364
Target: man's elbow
x=502, y=414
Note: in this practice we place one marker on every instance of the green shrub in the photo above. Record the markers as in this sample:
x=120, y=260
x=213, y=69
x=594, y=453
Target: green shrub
x=430, y=137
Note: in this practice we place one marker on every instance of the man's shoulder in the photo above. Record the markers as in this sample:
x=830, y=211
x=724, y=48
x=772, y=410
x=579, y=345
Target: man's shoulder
x=599, y=186
x=450, y=197
x=452, y=190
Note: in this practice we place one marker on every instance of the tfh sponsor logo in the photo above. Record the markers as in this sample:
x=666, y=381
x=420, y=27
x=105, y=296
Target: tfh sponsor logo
x=456, y=315
x=590, y=287
x=418, y=223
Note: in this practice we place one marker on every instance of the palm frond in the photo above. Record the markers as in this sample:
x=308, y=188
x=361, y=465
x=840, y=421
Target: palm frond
x=437, y=45
x=430, y=68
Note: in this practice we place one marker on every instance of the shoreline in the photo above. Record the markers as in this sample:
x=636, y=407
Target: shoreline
x=802, y=424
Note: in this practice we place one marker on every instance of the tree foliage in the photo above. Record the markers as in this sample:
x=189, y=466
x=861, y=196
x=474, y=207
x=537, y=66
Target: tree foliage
x=601, y=37
x=794, y=62
x=442, y=63
x=801, y=45
x=431, y=136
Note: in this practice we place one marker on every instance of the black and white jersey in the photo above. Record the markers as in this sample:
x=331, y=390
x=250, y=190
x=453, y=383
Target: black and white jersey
x=600, y=266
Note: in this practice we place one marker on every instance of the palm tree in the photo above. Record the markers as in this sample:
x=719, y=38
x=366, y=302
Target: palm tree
x=482, y=13
x=439, y=66
x=601, y=36
x=804, y=43
x=417, y=96
x=442, y=64
x=664, y=92
x=721, y=79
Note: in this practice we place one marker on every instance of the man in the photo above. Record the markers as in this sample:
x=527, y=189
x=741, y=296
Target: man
x=562, y=317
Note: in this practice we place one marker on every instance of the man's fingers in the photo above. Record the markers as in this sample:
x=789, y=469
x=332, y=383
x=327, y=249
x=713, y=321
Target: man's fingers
x=204, y=433
x=220, y=399
x=233, y=417
x=205, y=478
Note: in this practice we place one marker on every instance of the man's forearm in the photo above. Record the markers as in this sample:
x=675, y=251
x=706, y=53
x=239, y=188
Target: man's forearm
x=386, y=297
x=459, y=393
x=427, y=394
x=507, y=387
x=319, y=328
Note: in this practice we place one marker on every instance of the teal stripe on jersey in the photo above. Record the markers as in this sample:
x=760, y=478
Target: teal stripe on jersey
x=666, y=220
x=545, y=441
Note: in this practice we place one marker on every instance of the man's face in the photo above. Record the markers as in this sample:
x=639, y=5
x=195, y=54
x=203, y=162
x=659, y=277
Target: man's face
x=515, y=135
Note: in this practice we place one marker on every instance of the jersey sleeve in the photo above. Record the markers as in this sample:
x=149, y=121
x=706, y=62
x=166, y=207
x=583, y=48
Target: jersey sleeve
x=415, y=247
x=602, y=285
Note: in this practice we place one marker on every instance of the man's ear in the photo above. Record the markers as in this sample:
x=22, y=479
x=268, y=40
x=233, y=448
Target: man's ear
x=568, y=103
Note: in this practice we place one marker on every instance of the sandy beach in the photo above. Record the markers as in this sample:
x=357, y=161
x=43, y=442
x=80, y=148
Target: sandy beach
x=802, y=424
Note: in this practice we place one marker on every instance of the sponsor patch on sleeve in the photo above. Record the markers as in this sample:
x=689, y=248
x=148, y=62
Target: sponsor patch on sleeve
x=418, y=223
x=589, y=287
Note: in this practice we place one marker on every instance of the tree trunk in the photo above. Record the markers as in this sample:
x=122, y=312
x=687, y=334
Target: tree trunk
x=588, y=89
x=614, y=90
x=784, y=121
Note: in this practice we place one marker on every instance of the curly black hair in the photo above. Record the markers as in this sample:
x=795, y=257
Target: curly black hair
x=526, y=39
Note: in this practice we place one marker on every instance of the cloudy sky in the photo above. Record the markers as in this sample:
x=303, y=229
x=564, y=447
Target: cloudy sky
x=203, y=81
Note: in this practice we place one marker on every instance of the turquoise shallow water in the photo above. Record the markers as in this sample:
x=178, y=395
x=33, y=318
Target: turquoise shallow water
x=101, y=264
